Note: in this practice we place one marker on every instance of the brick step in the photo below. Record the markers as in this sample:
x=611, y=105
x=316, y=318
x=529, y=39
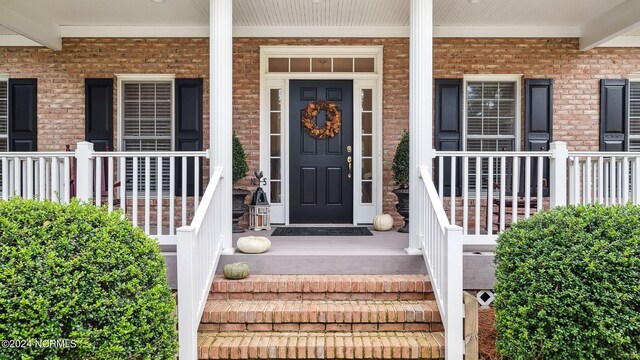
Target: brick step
x=316, y=345
x=315, y=287
x=321, y=315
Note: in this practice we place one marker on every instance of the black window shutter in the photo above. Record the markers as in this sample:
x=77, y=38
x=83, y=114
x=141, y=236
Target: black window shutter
x=448, y=116
x=23, y=115
x=614, y=116
x=538, y=131
x=98, y=120
x=188, y=131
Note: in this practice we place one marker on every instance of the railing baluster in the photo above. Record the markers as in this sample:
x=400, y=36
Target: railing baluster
x=67, y=179
x=184, y=190
x=441, y=177
x=636, y=180
x=110, y=184
x=159, y=188
x=172, y=195
x=527, y=187
x=465, y=195
x=490, y=197
x=29, y=180
x=539, y=177
x=601, y=180
x=503, y=192
x=17, y=172
x=624, y=179
x=134, y=196
x=453, y=190
x=478, y=193
x=515, y=189
x=613, y=181
x=122, y=174
x=98, y=162
x=147, y=194
x=196, y=183
x=576, y=180
x=5, y=178
x=588, y=178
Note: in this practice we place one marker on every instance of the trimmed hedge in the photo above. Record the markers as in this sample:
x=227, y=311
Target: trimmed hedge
x=79, y=273
x=569, y=285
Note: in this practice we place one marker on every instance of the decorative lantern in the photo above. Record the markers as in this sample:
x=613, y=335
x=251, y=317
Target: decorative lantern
x=259, y=210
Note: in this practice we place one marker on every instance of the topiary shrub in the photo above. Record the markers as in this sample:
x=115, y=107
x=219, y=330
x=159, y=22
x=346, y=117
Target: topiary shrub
x=400, y=164
x=239, y=160
x=78, y=273
x=569, y=285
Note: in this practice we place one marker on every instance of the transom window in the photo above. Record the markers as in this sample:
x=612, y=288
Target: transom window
x=322, y=64
x=634, y=115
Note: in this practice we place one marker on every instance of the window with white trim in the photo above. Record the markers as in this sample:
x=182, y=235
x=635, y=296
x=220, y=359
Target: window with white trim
x=147, y=125
x=4, y=114
x=492, y=106
x=634, y=115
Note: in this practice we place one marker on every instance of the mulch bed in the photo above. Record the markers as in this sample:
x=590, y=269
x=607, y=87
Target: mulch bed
x=487, y=335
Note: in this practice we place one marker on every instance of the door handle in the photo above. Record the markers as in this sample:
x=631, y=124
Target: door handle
x=349, y=162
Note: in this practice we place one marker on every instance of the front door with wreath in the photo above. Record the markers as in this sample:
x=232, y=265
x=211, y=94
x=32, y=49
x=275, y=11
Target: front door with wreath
x=321, y=151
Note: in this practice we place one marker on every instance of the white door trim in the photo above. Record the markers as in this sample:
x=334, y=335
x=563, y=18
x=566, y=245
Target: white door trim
x=362, y=213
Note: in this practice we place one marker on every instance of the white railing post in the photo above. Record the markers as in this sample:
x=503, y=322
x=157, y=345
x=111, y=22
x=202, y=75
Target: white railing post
x=187, y=312
x=454, y=327
x=84, y=177
x=558, y=176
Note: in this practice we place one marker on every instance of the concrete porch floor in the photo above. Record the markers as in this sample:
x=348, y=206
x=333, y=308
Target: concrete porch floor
x=382, y=253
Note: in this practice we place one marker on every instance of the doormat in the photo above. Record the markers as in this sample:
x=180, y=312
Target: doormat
x=321, y=231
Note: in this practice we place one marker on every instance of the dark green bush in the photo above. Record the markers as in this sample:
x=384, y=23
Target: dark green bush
x=569, y=285
x=400, y=164
x=79, y=273
x=239, y=160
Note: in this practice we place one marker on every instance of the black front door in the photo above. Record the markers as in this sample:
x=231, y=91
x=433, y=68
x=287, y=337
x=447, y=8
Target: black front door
x=321, y=180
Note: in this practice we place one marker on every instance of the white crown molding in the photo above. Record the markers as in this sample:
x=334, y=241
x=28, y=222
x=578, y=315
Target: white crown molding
x=447, y=31
x=134, y=31
x=623, y=41
x=321, y=31
x=17, y=40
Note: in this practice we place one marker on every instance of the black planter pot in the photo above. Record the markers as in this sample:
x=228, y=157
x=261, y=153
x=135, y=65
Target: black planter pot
x=239, y=208
x=403, y=207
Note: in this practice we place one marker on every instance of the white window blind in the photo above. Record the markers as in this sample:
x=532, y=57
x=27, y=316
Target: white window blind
x=634, y=116
x=147, y=126
x=490, y=122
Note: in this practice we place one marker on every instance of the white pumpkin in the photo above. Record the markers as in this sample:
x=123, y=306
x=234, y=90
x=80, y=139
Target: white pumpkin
x=383, y=222
x=253, y=244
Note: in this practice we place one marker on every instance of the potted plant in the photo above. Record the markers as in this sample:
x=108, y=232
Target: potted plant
x=240, y=169
x=401, y=177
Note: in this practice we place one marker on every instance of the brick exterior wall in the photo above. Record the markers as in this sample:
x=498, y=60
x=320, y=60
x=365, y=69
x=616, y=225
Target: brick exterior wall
x=61, y=80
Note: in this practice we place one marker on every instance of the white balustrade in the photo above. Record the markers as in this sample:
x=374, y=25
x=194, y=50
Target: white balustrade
x=198, y=250
x=441, y=245
x=36, y=175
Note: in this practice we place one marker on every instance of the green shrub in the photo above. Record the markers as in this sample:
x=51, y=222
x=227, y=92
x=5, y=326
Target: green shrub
x=240, y=166
x=79, y=273
x=569, y=285
x=400, y=164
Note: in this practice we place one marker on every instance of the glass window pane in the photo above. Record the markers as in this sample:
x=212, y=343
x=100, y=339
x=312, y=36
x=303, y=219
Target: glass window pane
x=276, y=192
x=342, y=65
x=300, y=64
x=275, y=169
x=321, y=65
x=367, y=99
x=278, y=64
x=367, y=169
x=367, y=123
x=364, y=65
x=367, y=147
x=367, y=197
x=275, y=145
x=275, y=123
x=276, y=99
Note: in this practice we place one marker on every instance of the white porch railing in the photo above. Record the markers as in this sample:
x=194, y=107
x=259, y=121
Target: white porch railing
x=36, y=175
x=441, y=245
x=142, y=184
x=604, y=178
x=198, y=250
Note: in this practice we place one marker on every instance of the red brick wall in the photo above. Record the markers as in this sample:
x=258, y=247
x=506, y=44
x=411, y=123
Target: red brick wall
x=61, y=80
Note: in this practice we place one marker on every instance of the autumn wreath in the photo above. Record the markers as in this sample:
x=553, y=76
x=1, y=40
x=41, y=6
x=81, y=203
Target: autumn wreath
x=330, y=128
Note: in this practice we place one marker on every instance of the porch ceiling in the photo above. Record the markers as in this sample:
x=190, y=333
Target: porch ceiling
x=460, y=18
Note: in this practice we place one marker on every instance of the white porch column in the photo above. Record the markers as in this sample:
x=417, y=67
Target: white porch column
x=420, y=110
x=220, y=103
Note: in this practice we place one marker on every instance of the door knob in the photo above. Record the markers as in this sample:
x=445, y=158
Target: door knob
x=349, y=149
x=349, y=162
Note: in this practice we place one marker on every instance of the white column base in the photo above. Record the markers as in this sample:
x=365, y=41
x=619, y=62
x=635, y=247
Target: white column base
x=228, y=251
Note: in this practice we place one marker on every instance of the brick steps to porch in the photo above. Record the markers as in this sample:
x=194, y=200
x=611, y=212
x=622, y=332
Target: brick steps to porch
x=321, y=317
